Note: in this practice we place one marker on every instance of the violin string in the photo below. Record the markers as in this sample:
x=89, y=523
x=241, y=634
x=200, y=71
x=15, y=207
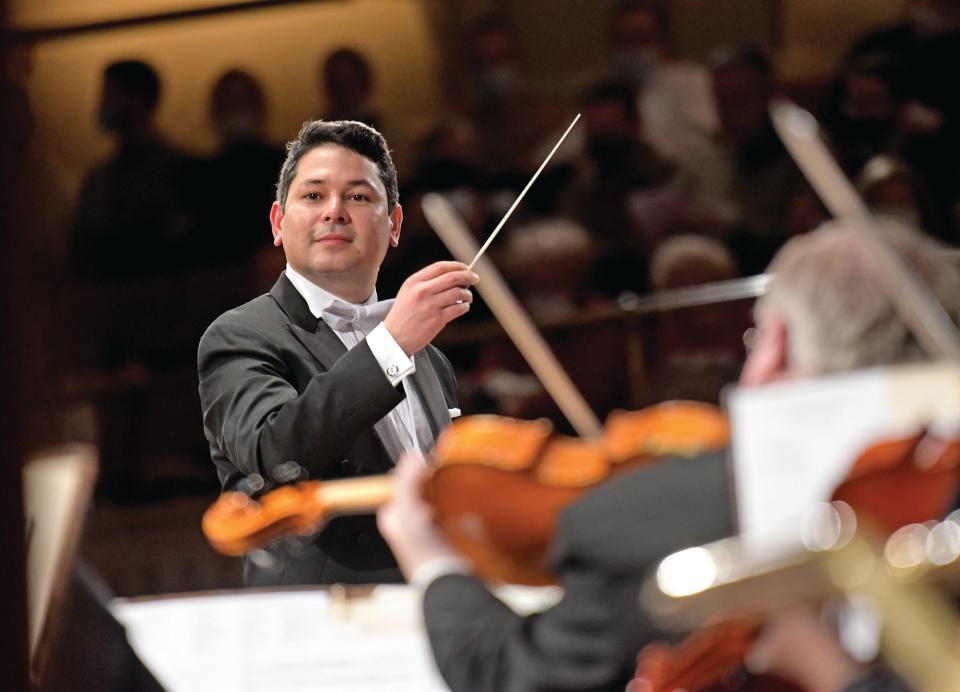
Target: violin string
x=524, y=192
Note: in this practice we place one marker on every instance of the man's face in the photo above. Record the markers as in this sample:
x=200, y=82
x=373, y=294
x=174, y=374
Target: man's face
x=118, y=109
x=335, y=228
x=868, y=98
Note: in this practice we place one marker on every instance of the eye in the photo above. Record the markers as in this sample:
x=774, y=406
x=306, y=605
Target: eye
x=359, y=197
x=312, y=196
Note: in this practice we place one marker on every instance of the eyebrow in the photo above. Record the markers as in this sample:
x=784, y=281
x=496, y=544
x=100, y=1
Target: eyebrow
x=350, y=183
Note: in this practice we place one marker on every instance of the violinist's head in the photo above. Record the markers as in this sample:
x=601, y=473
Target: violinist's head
x=826, y=309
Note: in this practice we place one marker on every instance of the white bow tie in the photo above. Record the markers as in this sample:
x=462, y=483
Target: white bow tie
x=347, y=317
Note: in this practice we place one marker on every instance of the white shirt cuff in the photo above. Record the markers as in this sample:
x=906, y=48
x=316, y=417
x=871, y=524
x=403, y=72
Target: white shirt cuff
x=395, y=364
x=431, y=570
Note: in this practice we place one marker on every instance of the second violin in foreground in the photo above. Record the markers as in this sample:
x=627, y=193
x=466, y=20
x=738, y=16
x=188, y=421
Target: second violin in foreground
x=497, y=485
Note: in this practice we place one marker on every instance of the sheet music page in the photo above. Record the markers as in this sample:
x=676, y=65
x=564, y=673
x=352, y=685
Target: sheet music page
x=793, y=442
x=283, y=641
x=293, y=641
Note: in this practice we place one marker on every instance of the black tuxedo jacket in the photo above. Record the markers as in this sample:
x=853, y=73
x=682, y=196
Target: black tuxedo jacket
x=278, y=385
x=606, y=544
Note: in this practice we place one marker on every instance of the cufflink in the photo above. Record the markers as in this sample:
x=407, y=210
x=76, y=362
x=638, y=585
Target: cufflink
x=393, y=370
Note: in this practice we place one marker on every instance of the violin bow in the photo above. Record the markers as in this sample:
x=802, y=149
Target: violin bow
x=453, y=231
x=921, y=311
x=522, y=194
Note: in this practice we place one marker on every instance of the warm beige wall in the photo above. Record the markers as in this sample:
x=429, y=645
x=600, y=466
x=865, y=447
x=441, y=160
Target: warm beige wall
x=282, y=46
x=37, y=13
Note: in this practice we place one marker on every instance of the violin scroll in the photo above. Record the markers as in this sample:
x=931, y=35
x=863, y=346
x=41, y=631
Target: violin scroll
x=236, y=524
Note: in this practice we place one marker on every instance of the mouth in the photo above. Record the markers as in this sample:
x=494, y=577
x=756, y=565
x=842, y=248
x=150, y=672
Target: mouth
x=333, y=239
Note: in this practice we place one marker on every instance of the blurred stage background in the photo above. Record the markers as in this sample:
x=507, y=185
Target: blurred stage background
x=118, y=314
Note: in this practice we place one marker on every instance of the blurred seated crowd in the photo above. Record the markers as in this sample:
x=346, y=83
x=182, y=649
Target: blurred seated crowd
x=673, y=178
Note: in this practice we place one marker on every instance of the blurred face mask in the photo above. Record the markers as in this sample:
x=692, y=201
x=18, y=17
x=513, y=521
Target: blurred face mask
x=635, y=66
x=498, y=81
x=238, y=126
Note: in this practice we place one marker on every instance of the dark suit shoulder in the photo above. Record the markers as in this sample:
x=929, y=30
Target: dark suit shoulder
x=637, y=518
x=261, y=315
x=262, y=308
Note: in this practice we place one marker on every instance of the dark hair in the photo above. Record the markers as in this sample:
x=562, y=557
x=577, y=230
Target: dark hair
x=348, y=56
x=613, y=91
x=740, y=55
x=349, y=134
x=489, y=24
x=881, y=65
x=656, y=8
x=232, y=79
x=136, y=78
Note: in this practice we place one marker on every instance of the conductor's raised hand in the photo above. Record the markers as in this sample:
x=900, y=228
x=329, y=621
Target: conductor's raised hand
x=427, y=301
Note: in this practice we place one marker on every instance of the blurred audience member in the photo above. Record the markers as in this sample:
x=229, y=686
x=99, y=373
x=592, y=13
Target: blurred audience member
x=243, y=171
x=446, y=161
x=550, y=264
x=698, y=350
x=676, y=103
x=347, y=83
x=510, y=121
x=447, y=157
x=926, y=44
x=863, y=115
x=132, y=216
x=622, y=194
x=749, y=179
x=892, y=187
x=690, y=260
x=873, y=113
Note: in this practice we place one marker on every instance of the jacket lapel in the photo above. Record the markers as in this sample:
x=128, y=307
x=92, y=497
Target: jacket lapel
x=326, y=347
x=431, y=394
x=323, y=344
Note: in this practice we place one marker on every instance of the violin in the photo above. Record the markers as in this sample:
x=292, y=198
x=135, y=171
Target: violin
x=497, y=485
x=891, y=484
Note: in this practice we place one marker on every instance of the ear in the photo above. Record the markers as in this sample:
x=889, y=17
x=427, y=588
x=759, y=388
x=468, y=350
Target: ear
x=768, y=361
x=276, y=219
x=396, y=220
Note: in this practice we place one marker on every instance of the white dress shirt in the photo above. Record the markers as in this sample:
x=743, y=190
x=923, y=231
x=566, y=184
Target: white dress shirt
x=408, y=418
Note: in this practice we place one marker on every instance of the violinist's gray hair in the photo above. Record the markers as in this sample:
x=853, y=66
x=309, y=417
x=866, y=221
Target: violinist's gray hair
x=830, y=295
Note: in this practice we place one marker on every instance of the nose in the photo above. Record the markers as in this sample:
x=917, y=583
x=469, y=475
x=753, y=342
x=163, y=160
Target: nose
x=334, y=211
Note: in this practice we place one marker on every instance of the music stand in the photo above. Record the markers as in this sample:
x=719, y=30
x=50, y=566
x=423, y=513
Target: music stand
x=57, y=484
